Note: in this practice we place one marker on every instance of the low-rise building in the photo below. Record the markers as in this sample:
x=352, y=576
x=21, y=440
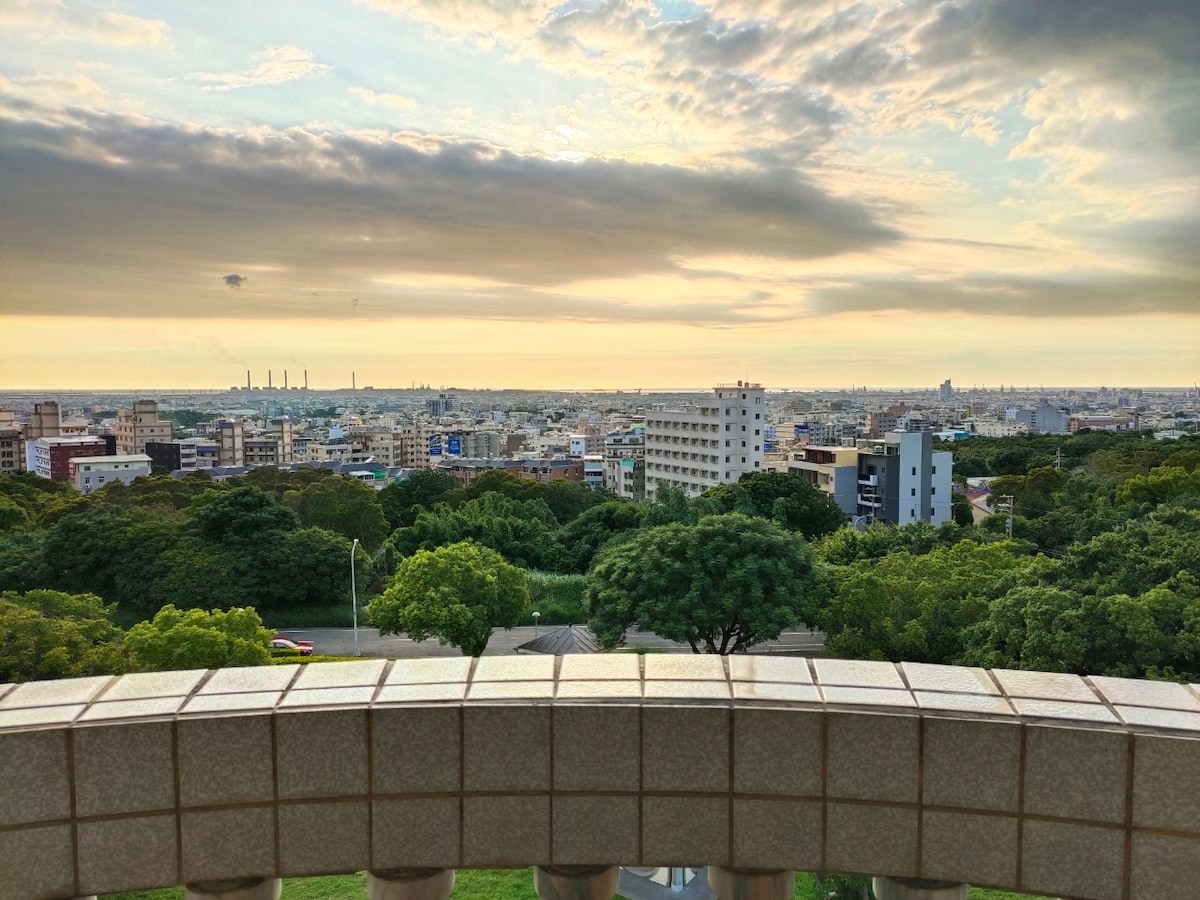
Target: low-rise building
x=831, y=470
x=52, y=456
x=89, y=473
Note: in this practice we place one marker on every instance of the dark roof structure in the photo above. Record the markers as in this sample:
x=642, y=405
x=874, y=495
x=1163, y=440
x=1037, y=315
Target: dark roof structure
x=568, y=639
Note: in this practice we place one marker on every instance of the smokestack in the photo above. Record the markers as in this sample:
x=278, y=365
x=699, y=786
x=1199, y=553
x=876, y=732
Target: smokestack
x=306, y=379
x=269, y=385
x=247, y=379
x=354, y=381
x=285, y=379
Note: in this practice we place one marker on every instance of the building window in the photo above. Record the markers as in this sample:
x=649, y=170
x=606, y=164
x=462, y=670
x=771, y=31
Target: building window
x=914, y=468
x=914, y=492
x=932, y=491
x=933, y=470
x=912, y=513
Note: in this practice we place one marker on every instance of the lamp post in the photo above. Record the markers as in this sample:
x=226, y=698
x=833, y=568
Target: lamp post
x=536, y=616
x=354, y=597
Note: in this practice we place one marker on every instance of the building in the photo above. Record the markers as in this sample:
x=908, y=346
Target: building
x=52, y=455
x=89, y=473
x=714, y=442
x=172, y=455
x=141, y=424
x=439, y=406
x=946, y=392
x=625, y=462
x=12, y=445
x=230, y=436
x=831, y=470
x=550, y=470
x=1044, y=418
x=901, y=480
x=465, y=470
x=593, y=470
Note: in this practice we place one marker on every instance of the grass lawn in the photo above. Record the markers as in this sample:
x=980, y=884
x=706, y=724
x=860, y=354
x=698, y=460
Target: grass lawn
x=474, y=884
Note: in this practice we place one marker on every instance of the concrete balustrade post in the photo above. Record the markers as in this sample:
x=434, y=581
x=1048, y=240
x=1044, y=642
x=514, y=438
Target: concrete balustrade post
x=410, y=884
x=917, y=889
x=235, y=889
x=576, y=882
x=751, y=884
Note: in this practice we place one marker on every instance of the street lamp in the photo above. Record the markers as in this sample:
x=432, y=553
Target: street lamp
x=354, y=597
x=536, y=615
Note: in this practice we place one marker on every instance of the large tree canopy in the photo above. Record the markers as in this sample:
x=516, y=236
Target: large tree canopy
x=722, y=585
x=199, y=639
x=457, y=593
x=789, y=501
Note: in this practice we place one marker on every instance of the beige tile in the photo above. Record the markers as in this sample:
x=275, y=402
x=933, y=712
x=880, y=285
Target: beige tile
x=972, y=764
x=421, y=693
x=684, y=666
x=964, y=679
x=324, y=838
x=39, y=715
x=1163, y=865
x=37, y=862
x=776, y=752
x=228, y=843
x=963, y=703
x=34, y=782
x=596, y=748
x=1174, y=719
x=967, y=847
x=610, y=689
x=1051, y=709
x=852, y=696
x=150, y=708
x=124, y=768
x=127, y=854
x=863, y=838
x=506, y=831
x=872, y=757
x=252, y=678
x=600, y=666
x=55, y=693
x=511, y=690
x=203, y=704
x=430, y=671
x=776, y=692
x=595, y=830
x=686, y=690
x=757, y=667
x=858, y=673
x=1166, y=783
x=321, y=754
x=333, y=696
x=225, y=760
x=1070, y=860
x=352, y=673
x=506, y=748
x=1075, y=774
x=685, y=831
x=514, y=668
x=1044, y=685
x=415, y=833
x=416, y=750
x=1138, y=692
x=143, y=685
x=685, y=749
x=773, y=834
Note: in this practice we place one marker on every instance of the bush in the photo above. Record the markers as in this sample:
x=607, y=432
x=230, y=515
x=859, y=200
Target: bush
x=558, y=598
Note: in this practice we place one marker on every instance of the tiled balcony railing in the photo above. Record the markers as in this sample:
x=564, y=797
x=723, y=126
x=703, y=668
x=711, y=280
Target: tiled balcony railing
x=928, y=776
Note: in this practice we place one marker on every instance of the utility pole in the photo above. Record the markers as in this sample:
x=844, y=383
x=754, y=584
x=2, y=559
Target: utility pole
x=1058, y=460
x=1007, y=502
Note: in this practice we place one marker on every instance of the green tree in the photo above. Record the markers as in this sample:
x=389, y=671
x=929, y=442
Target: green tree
x=722, y=585
x=199, y=639
x=238, y=517
x=345, y=506
x=583, y=537
x=456, y=593
x=401, y=501
x=49, y=634
x=786, y=499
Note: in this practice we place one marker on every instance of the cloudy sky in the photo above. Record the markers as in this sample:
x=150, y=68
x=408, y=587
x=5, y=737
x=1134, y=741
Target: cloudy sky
x=522, y=193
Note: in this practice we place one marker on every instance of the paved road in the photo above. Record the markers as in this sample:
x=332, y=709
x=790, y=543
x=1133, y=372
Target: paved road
x=340, y=642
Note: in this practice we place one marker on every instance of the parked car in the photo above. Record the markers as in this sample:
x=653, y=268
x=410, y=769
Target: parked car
x=287, y=645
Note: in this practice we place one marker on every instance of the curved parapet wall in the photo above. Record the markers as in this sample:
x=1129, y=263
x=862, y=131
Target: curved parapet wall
x=1027, y=781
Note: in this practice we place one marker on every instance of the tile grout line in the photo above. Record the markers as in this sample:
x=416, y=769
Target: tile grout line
x=69, y=734
x=1021, y=758
x=1127, y=868
x=178, y=799
x=824, y=788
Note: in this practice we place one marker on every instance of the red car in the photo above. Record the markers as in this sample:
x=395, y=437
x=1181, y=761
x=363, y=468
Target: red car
x=279, y=642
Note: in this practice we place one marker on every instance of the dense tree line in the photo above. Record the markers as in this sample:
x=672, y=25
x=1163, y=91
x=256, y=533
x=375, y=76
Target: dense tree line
x=1100, y=574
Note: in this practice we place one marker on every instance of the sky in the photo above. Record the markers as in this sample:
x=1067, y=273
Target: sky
x=594, y=194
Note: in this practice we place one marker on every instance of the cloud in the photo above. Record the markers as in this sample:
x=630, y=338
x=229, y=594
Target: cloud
x=53, y=20
x=277, y=64
x=235, y=281
x=377, y=98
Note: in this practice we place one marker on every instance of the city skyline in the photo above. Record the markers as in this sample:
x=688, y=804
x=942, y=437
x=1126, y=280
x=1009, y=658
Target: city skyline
x=560, y=195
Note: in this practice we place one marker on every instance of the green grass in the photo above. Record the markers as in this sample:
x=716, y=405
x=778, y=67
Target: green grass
x=478, y=884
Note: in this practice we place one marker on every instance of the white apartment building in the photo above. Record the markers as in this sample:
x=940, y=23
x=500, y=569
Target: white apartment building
x=625, y=462
x=88, y=473
x=715, y=442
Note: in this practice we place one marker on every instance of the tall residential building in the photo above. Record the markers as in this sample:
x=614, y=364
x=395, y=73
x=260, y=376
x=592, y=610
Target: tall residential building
x=231, y=450
x=901, y=480
x=701, y=446
x=141, y=424
x=52, y=456
x=12, y=446
x=831, y=470
x=945, y=391
x=625, y=463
